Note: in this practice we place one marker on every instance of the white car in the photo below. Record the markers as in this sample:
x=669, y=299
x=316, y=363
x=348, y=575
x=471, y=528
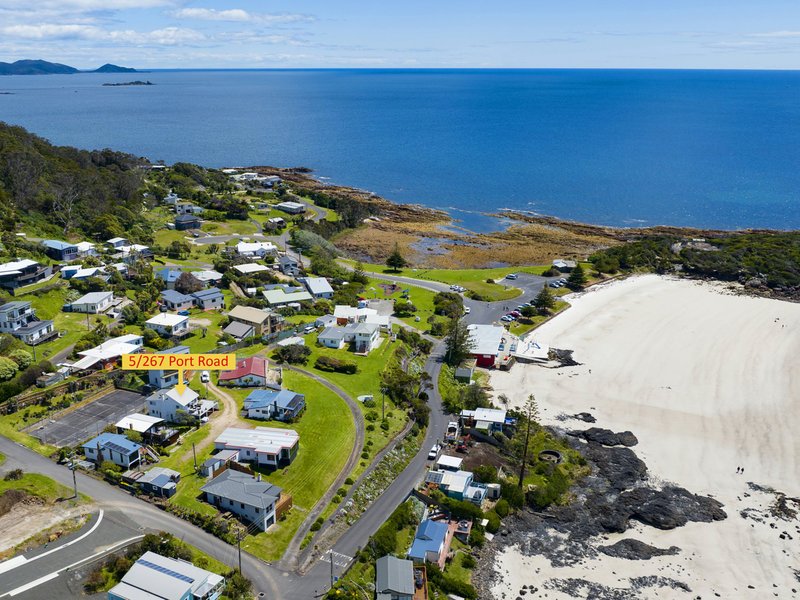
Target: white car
x=205, y=377
x=466, y=310
x=434, y=452
x=512, y=276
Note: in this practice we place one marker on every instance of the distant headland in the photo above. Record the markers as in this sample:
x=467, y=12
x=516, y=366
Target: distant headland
x=43, y=67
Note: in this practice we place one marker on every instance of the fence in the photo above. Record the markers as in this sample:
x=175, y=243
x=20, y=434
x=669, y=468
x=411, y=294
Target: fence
x=69, y=387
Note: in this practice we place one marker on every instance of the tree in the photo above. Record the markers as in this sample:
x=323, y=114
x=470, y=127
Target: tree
x=359, y=275
x=131, y=314
x=576, y=279
x=187, y=284
x=8, y=368
x=293, y=354
x=531, y=416
x=66, y=196
x=395, y=261
x=544, y=301
x=457, y=342
x=404, y=308
x=22, y=357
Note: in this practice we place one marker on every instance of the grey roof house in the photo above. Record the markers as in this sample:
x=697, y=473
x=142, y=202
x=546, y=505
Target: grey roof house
x=394, y=578
x=248, y=497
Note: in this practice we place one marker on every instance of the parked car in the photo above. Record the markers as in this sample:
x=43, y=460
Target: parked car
x=512, y=276
x=506, y=318
x=554, y=284
x=466, y=310
x=515, y=313
x=308, y=329
x=205, y=377
x=434, y=452
x=183, y=313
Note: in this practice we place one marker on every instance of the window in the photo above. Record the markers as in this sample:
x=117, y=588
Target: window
x=258, y=510
x=241, y=504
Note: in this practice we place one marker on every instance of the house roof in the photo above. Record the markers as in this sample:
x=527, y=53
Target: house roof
x=176, y=350
x=451, y=462
x=351, y=312
x=221, y=456
x=124, y=344
x=238, y=329
x=169, y=275
x=486, y=339
x=290, y=206
x=362, y=328
x=116, y=240
x=94, y=298
x=15, y=266
x=84, y=246
x=332, y=333
x=261, y=439
x=113, y=441
x=57, y=244
x=185, y=399
x=9, y=306
x=285, y=399
x=317, y=285
x=254, y=247
x=394, y=575
x=187, y=219
x=160, y=477
x=206, y=276
x=287, y=260
x=167, y=320
x=249, y=314
x=241, y=487
x=325, y=320
x=279, y=296
x=87, y=272
x=452, y=480
x=155, y=577
x=248, y=268
x=138, y=422
x=208, y=294
x=429, y=538
x=255, y=366
x=491, y=415
x=175, y=297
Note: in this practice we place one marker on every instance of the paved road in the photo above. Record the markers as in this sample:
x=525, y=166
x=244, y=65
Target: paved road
x=22, y=576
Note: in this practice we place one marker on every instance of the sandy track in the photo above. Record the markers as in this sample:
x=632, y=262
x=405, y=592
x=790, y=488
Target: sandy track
x=708, y=381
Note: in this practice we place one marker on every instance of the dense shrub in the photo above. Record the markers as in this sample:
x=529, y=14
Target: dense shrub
x=293, y=354
x=331, y=364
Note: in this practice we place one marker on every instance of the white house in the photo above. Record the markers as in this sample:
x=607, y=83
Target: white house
x=364, y=336
x=280, y=297
x=109, y=351
x=259, y=249
x=154, y=576
x=266, y=446
x=117, y=242
x=250, y=268
x=168, y=324
x=351, y=314
x=170, y=404
x=318, y=287
x=20, y=320
x=93, y=303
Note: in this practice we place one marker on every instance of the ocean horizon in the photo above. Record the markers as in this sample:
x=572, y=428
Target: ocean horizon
x=622, y=147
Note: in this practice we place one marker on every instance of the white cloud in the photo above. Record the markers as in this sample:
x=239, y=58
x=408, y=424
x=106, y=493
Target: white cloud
x=168, y=36
x=240, y=15
x=777, y=34
x=83, y=5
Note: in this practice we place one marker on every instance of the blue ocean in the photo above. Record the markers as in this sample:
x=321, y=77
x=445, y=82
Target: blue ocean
x=619, y=147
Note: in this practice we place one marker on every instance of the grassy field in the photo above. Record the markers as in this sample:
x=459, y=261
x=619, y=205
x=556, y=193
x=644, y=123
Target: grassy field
x=419, y=297
x=322, y=455
x=229, y=227
x=10, y=426
x=39, y=486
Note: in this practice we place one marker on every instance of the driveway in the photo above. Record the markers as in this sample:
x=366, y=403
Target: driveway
x=89, y=420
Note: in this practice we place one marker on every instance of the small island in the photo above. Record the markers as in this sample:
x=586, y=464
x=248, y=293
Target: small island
x=128, y=83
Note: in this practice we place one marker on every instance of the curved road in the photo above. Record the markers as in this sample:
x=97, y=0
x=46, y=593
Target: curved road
x=290, y=557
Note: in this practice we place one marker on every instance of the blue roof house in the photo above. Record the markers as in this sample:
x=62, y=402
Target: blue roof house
x=114, y=447
x=176, y=301
x=429, y=542
x=209, y=299
x=169, y=276
x=58, y=250
x=281, y=405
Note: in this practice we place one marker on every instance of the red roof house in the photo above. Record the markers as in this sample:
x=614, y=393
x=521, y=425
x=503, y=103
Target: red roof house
x=250, y=372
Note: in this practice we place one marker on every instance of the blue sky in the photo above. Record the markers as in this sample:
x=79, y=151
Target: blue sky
x=737, y=34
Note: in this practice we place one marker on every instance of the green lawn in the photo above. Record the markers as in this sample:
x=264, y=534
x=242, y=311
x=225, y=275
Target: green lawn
x=519, y=329
x=230, y=227
x=419, y=297
x=39, y=486
x=322, y=455
x=11, y=424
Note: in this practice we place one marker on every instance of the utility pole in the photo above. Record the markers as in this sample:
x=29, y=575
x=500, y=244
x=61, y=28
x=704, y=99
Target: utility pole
x=194, y=453
x=239, y=546
x=383, y=404
x=330, y=556
x=74, y=468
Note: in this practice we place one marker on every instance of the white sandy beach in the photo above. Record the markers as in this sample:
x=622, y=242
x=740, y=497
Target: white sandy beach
x=708, y=381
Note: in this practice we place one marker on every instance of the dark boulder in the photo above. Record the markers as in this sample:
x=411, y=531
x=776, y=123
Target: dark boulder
x=636, y=550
